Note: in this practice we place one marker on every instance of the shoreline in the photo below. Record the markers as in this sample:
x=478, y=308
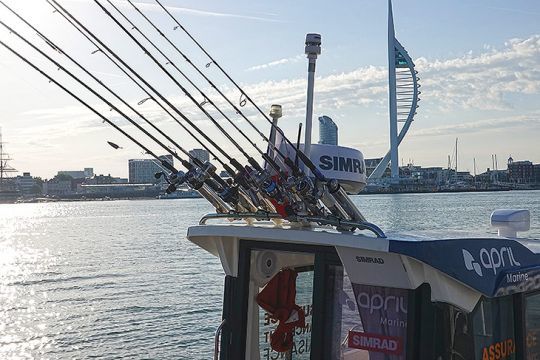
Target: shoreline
x=80, y=199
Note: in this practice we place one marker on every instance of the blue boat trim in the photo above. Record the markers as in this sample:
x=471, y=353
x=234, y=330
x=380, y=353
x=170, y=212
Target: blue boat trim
x=493, y=267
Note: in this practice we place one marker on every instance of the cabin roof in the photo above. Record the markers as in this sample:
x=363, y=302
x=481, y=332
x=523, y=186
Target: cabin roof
x=486, y=265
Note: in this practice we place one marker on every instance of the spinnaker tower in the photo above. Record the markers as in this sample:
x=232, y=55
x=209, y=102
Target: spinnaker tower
x=403, y=99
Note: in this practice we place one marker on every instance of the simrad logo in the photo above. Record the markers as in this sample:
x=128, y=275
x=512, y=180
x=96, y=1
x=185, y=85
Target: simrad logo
x=492, y=259
x=370, y=260
x=340, y=163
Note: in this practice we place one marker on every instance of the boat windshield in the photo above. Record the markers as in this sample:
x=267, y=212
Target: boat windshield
x=532, y=326
x=380, y=323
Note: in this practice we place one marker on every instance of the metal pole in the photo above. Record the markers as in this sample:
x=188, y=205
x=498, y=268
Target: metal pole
x=313, y=49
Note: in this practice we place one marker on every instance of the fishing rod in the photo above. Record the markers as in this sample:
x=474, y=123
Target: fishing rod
x=58, y=49
x=334, y=196
x=231, y=193
x=341, y=207
x=268, y=186
x=260, y=178
x=119, y=63
x=250, y=159
x=206, y=98
x=302, y=195
x=265, y=155
x=232, y=161
x=305, y=159
x=265, y=183
x=194, y=177
x=94, y=39
x=204, y=190
x=301, y=186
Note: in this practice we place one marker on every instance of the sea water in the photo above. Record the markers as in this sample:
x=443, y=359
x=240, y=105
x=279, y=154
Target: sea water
x=119, y=280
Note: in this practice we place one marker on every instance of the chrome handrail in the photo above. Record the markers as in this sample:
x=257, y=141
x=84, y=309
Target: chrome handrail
x=240, y=216
x=363, y=225
x=216, y=339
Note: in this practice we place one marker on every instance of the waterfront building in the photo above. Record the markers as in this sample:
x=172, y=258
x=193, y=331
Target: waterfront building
x=536, y=172
x=371, y=165
x=25, y=183
x=429, y=175
x=142, y=171
x=328, y=131
x=520, y=172
x=492, y=177
x=78, y=174
x=200, y=154
x=105, y=179
x=56, y=187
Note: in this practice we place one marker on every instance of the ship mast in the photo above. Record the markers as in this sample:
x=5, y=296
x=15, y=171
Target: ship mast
x=4, y=166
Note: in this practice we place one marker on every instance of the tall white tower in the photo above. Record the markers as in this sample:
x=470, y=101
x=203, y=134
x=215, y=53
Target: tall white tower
x=392, y=100
x=403, y=98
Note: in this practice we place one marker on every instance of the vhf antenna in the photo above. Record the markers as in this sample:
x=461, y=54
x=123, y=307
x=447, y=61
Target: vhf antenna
x=313, y=49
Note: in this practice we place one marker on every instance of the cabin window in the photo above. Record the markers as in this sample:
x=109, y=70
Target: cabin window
x=493, y=329
x=367, y=322
x=265, y=266
x=532, y=326
x=487, y=333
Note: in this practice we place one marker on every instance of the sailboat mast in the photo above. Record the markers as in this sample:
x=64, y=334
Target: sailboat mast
x=456, y=155
x=1, y=159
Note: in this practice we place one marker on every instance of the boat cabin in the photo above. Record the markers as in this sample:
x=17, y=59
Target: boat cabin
x=293, y=292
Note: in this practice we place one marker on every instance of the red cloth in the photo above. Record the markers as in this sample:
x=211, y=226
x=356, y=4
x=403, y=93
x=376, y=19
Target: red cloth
x=278, y=299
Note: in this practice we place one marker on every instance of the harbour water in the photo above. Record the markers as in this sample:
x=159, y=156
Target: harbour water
x=118, y=279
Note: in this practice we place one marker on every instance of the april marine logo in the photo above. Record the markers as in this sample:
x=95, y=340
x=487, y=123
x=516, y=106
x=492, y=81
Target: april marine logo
x=490, y=260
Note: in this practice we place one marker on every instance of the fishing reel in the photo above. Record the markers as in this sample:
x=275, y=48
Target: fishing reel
x=304, y=195
x=230, y=194
x=267, y=185
x=196, y=177
x=174, y=180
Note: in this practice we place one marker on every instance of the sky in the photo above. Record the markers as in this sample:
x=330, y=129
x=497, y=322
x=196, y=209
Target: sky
x=478, y=63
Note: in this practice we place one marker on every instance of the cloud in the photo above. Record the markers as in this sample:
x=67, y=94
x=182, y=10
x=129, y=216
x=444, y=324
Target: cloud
x=189, y=11
x=471, y=82
x=529, y=121
x=293, y=59
x=483, y=81
x=466, y=84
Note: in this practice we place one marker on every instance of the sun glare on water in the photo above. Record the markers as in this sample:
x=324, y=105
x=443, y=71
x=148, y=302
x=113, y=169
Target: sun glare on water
x=23, y=315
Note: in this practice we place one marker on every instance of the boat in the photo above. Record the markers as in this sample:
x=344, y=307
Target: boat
x=8, y=191
x=307, y=276
x=363, y=297
x=180, y=194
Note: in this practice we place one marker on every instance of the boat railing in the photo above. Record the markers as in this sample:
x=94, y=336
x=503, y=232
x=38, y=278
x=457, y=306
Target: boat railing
x=216, y=339
x=261, y=216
